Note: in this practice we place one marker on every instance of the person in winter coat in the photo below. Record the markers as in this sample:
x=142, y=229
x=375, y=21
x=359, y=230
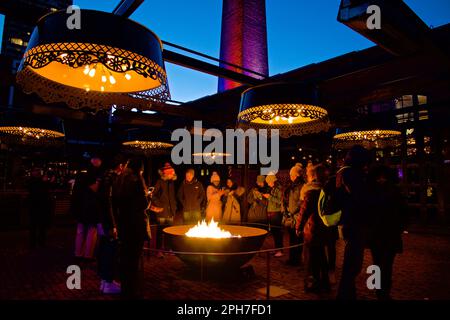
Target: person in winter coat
x=86, y=233
x=314, y=232
x=214, y=199
x=390, y=215
x=107, y=230
x=257, y=213
x=292, y=204
x=40, y=208
x=164, y=201
x=274, y=214
x=130, y=192
x=88, y=218
x=356, y=217
x=233, y=204
x=191, y=196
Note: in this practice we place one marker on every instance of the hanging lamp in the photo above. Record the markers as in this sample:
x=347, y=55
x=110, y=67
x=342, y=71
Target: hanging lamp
x=110, y=60
x=291, y=108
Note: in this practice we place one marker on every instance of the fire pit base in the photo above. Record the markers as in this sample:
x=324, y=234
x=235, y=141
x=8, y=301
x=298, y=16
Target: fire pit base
x=251, y=240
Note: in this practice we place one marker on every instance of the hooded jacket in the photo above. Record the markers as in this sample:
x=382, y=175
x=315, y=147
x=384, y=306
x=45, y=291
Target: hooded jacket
x=192, y=196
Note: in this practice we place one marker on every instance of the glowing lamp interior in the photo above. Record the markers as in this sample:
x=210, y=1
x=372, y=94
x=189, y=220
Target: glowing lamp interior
x=97, y=77
x=209, y=230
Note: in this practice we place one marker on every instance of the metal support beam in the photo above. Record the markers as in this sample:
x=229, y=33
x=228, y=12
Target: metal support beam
x=125, y=8
x=208, y=68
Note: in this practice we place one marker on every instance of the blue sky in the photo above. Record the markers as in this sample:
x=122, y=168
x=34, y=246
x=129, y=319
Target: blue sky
x=300, y=32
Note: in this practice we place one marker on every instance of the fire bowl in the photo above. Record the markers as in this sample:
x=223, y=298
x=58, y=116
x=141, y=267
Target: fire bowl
x=251, y=240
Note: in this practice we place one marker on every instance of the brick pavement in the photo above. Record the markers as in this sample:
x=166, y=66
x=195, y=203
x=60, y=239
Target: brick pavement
x=421, y=272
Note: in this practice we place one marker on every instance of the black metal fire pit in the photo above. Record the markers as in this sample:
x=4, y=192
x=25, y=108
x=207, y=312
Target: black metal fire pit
x=251, y=240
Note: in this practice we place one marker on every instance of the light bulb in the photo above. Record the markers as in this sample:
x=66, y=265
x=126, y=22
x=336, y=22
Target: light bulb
x=127, y=76
x=86, y=70
x=102, y=88
x=103, y=78
x=290, y=120
x=277, y=118
x=92, y=73
x=87, y=89
x=112, y=80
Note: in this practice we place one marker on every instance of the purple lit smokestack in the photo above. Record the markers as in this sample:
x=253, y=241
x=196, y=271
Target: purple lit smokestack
x=244, y=38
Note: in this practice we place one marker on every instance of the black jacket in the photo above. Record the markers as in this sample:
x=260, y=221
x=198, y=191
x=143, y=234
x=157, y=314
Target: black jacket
x=389, y=218
x=130, y=197
x=91, y=208
x=164, y=197
x=192, y=196
x=357, y=201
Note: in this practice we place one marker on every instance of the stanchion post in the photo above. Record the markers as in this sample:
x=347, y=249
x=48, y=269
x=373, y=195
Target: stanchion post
x=268, y=276
x=201, y=268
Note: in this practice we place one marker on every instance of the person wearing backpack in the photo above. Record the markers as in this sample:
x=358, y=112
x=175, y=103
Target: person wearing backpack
x=310, y=225
x=357, y=202
x=291, y=202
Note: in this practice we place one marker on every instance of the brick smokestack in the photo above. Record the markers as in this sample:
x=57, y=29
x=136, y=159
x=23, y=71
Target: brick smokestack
x=243, y=39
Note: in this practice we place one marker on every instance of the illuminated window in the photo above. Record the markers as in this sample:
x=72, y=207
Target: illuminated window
x=404, y=101
x=423, y=115
x=2, y=22
x=405, y=117
x=17, y=41
x=422, y=100
x=411, y=152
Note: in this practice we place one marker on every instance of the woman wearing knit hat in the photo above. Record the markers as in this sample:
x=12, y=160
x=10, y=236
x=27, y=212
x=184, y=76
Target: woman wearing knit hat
x=257, y=213
x=274, y=213
x=292, y=204
x=213, y=196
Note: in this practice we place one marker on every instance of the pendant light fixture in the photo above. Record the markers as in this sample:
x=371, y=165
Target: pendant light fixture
x=291, y=108
x=110, y=60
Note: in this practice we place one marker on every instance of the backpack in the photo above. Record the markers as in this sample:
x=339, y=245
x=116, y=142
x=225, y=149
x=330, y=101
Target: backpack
x=330, y=201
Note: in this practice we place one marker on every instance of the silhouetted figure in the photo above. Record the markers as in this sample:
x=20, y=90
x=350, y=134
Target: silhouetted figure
x=108, y=230
x=130, y=193
x=356, y=217
x=88, y=218
x=164, y=202
x=292, y=203
x=274, y=214
x=390, y=217
x=314, y=232
x=40, y=208
x=257, y=213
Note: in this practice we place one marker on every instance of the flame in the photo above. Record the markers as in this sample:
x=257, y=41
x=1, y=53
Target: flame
x=209, y=230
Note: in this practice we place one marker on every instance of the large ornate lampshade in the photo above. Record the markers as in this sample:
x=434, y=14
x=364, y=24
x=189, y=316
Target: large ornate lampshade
x=370, y=139
x=109, y=60
x=291, y=108
x=147, y=142
x=23, y=129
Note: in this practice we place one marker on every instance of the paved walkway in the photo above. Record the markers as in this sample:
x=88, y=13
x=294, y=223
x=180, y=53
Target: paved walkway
x=421, y=272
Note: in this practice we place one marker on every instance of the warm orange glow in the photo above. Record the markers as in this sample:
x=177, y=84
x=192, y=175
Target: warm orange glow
x=96, y=76
x=209, y=230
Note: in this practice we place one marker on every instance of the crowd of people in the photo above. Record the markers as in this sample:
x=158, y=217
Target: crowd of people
x=117, y=205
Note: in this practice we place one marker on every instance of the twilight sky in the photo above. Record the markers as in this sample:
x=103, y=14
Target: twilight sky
x=300, y=32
